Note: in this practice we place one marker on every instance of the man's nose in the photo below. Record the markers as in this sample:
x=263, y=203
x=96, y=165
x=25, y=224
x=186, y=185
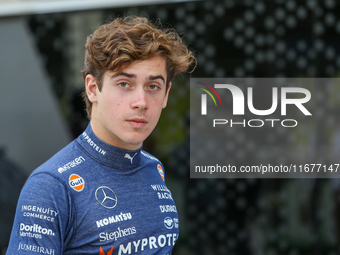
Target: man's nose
x=139, y=99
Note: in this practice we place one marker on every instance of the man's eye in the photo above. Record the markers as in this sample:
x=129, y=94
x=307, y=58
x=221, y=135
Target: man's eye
x=123, y=84
x=153, y=87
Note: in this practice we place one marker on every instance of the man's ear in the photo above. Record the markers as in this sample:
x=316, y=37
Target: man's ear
x=91, y=87
x=166, y=96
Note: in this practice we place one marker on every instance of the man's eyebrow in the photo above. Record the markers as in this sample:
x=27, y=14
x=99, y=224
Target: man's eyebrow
x=129, y=75
x=155, y=77
x=151, y=77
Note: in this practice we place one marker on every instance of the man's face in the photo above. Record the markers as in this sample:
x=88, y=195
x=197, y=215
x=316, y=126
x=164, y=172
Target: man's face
x=128, y=107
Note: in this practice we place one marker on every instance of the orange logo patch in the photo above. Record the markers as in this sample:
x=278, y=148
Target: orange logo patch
x=76, y=182
x=160, y=171
x=103, y=253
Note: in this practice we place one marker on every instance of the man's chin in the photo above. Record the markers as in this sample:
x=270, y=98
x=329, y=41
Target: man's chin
x=133, y=144
x=135, y=140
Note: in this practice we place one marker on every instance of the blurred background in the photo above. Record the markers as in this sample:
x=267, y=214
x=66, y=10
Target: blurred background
x=41, y=56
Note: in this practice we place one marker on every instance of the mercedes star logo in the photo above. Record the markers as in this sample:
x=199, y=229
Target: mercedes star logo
x=106, y=197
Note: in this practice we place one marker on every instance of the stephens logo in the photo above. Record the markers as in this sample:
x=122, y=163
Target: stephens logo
x=103, y=253
x=76, y=182
x=204, y=97
x=119, y=233
x=160, y=171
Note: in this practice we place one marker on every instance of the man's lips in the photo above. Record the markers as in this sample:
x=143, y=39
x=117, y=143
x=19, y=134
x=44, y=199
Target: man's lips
x=137, y=122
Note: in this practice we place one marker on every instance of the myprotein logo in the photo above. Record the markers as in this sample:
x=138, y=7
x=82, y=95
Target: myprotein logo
x=295, y=96
x=76, y=182
x=143, y=245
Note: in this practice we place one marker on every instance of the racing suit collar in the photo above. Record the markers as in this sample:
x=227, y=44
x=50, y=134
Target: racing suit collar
x=107, y=154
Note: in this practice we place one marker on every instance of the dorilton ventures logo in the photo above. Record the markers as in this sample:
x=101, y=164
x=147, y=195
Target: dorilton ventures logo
x=294, y=96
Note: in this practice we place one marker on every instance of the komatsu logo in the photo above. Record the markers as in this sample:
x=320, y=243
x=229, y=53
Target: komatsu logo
x=113, y=219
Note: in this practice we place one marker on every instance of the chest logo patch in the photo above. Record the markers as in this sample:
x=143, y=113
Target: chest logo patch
x=76, y=182
x=168, y=223
x=106, y=197
x=160, y=171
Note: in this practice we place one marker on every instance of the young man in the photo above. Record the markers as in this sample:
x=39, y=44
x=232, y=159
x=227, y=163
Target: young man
x=102, y=194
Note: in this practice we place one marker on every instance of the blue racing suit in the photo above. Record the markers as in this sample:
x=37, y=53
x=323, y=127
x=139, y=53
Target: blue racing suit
x=94, y=198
